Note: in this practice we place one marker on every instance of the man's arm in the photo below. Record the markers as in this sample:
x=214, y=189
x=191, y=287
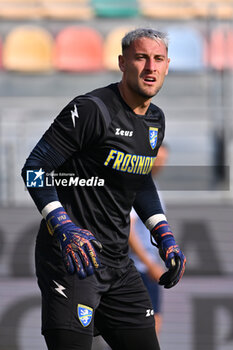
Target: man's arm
x=148, y=207
x=65, y=137
x=154, y=270
x=46, y=158
x=77, y=245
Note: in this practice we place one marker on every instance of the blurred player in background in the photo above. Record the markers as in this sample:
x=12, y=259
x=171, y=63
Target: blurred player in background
x=144, y=254
x=102, y=147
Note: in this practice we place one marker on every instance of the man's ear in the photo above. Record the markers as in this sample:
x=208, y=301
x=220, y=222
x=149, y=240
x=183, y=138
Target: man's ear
x=121, y=63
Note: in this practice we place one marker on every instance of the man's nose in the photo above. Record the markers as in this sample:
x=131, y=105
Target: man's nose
x=151, y=65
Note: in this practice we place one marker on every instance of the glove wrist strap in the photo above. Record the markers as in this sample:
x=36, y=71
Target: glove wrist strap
x=161, y=231
x=50, y=207
x=56, y=219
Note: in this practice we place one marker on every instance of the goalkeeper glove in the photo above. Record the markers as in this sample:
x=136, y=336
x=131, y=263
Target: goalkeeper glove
x=170, y=253
x=77, y=245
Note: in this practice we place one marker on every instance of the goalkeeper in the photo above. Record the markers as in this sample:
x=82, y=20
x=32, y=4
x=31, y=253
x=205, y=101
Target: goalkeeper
x=88, y=283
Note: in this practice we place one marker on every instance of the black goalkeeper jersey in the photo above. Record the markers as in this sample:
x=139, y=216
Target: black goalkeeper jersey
x=108, y=157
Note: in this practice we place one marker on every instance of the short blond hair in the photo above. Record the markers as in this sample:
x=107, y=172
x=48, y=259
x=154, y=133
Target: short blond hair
x=143, y=33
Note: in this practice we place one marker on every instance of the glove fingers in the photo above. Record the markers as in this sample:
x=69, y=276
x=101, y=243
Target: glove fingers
x=167, y=281
x=182, y=268
x=94, y=262
x=86, y=263
x=87, y=257
x=164, y=279
x=80, y=268
x=79, y=255
x=73, y=263
x=90, y=248
x=92, y=239
x=181, y=264
x=97, y=245
x=68, y=264
x=171, y=277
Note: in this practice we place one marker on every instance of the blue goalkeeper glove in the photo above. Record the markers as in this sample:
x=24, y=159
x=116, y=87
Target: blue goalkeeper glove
x=170, y=253
x=77, y=245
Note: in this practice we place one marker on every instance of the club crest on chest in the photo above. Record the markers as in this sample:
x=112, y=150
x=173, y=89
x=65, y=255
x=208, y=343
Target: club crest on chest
x=153, y=137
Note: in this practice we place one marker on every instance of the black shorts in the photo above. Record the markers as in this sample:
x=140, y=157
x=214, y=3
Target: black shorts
x=112, y=298
x=154, y=290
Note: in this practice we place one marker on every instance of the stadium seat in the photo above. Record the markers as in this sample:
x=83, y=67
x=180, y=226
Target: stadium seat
x=113, y=8
x=223, y=11
x=28, y=49
x=220, y=49
x=78, y=49
x=185, y=49
x=215, y=50
x=0, y=53
x=20, y=9
x=67, y=9
x=185, y=9
x=112, y=47
x=86, y=2
x=167, y=9
x=58, y=9
x=169, y=12
x=20, y=2
x=229, y=45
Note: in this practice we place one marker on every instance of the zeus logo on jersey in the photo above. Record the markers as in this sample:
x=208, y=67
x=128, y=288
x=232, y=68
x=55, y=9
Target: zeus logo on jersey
x=120, y=132
x=130, y=163
x=85, y=314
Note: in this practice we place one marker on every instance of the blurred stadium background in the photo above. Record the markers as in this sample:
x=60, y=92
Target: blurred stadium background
x=53, y=50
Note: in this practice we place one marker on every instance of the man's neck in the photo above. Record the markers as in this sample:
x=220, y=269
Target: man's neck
x=137, y=103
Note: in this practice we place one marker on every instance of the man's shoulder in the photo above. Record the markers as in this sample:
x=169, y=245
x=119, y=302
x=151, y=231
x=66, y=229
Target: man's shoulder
x=155, y=111
x=105, y=92
x=154, y=107
x=98, y=100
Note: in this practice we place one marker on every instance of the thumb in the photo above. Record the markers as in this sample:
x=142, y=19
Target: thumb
x=97, y=245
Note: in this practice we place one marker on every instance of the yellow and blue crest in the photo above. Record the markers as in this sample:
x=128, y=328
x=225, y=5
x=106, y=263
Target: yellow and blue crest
x=153, y=136
x=85, y=314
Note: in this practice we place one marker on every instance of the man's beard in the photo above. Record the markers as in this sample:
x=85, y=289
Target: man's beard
x=141, y=92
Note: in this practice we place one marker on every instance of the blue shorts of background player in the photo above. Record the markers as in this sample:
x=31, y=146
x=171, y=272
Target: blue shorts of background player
x=155, y=292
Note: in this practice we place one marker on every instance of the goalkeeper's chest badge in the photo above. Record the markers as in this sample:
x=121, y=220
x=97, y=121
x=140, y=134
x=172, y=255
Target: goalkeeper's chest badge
x=85, y=314
x=153, y=136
